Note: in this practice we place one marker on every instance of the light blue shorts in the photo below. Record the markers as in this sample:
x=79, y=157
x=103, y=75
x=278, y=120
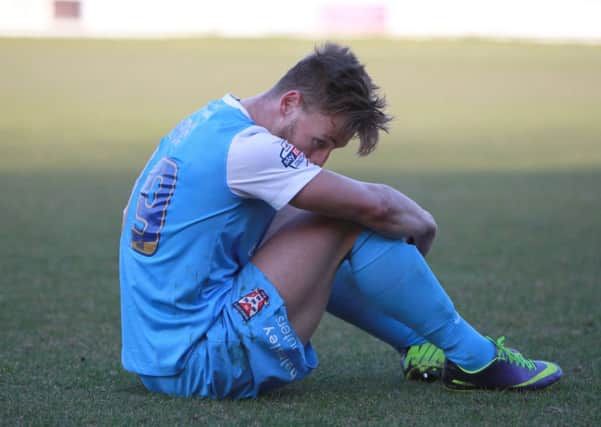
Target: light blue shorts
x=250, y=349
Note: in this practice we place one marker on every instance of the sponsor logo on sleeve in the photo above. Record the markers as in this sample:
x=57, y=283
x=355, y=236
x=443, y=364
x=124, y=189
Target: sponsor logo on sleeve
x=252, y=303
x=291, y=156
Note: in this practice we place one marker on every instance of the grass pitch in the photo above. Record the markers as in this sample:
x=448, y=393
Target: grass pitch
x=501, y=141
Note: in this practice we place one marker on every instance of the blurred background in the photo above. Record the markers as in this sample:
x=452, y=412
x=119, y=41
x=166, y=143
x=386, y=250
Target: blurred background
x=541, y=19
x=497, y=132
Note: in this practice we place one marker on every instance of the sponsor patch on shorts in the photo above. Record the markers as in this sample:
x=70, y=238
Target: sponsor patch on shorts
x=251, y=303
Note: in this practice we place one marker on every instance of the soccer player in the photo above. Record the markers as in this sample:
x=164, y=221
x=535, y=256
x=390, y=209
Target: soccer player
x=214, y=305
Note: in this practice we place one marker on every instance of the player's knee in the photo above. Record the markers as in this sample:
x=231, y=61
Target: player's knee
x=411, y=260
x=419, y=272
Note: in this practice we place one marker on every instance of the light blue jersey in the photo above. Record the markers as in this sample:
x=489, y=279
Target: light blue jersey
x=195, y=216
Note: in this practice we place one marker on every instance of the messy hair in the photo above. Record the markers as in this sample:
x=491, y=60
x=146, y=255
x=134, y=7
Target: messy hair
x=332, y=81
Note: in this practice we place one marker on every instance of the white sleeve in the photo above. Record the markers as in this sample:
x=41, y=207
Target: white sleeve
x=262, y=166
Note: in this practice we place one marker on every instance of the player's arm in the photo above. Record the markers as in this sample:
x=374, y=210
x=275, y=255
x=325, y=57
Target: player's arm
x=378, y=207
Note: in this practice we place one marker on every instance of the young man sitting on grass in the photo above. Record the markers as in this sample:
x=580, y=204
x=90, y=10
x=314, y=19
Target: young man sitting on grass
x=214, y=305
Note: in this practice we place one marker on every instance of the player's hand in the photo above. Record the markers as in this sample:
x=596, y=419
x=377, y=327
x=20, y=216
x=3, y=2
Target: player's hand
x=421, y=231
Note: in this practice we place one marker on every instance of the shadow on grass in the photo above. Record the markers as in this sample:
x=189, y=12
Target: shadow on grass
x=519, y=254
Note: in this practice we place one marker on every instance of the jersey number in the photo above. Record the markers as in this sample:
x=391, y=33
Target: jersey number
x=151, y=207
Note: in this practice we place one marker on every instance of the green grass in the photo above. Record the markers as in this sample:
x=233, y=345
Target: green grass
x=501, y=141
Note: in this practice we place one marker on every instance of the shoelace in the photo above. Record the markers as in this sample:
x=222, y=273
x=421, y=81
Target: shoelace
x=513, y=357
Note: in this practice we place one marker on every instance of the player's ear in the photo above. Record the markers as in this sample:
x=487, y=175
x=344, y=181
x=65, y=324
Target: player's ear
x=290, y=101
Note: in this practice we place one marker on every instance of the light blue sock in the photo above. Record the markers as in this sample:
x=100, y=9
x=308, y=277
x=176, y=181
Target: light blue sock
x=349, y=304
x=395, y=278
